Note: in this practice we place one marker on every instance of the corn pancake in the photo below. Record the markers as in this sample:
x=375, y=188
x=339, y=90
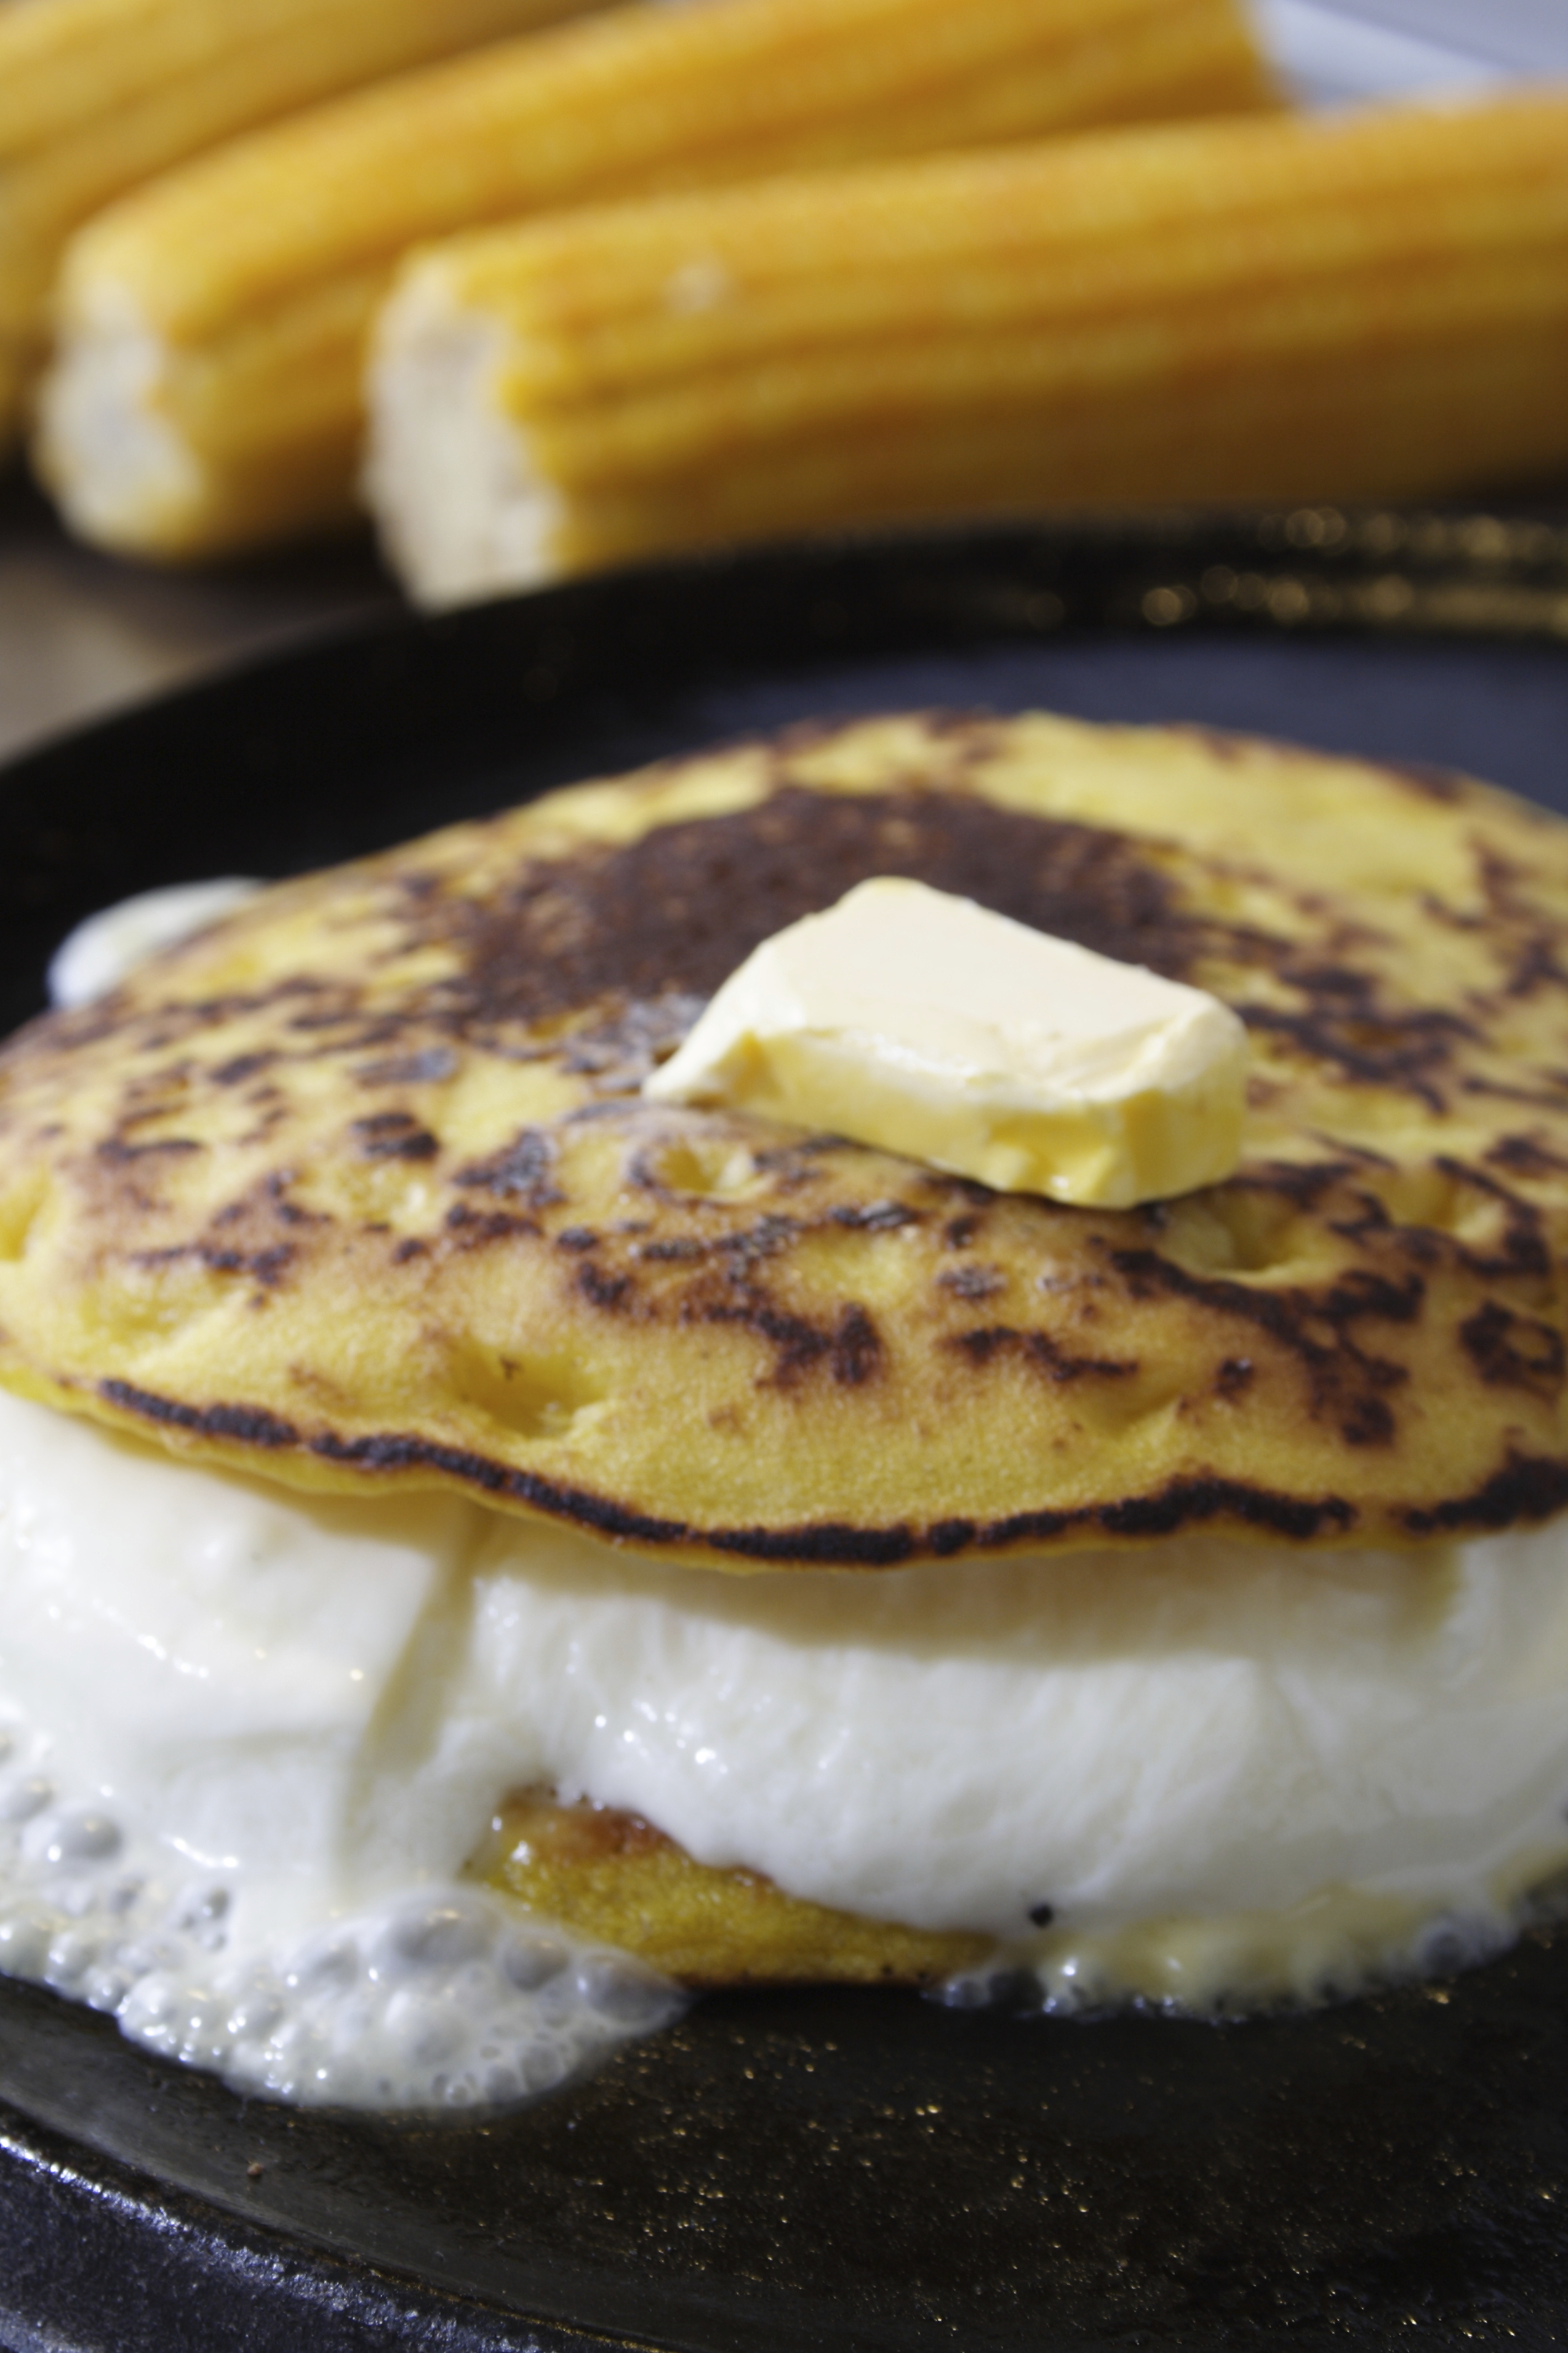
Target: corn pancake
x=356, y=1187
x=612, y=1876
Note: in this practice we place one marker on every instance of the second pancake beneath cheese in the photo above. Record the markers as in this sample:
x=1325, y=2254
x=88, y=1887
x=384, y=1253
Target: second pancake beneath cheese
x=357, y=1188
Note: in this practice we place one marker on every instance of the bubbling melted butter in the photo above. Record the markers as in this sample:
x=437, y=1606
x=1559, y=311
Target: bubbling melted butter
x=431, y=2000
x=1341, y=1942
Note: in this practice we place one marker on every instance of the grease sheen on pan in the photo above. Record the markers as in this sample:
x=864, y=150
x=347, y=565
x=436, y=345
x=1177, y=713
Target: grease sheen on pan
x=356, y=1187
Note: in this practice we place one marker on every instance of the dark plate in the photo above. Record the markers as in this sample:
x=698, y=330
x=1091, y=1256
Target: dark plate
x=835, y=2171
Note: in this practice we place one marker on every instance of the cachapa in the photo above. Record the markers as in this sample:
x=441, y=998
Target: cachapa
x=357, y=1189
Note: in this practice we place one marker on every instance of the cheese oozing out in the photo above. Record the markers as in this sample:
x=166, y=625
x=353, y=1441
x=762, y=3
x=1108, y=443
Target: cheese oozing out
x=98, y=954
x=920, y=1023
x=252, y=1740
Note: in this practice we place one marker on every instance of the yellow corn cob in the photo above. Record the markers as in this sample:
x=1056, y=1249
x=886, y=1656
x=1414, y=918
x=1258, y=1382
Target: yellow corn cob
x=96, y=96
x=214, y=326
x=1357, y=306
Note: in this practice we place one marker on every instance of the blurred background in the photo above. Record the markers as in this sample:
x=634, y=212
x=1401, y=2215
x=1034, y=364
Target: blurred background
x=83, y=631
x=1367, y=49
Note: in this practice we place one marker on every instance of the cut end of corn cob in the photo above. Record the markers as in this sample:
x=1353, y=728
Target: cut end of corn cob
x=111, y=449
x=463, y=513
x=1369, y=306
x=121, y=476
x=100, y=96
x=255, y=271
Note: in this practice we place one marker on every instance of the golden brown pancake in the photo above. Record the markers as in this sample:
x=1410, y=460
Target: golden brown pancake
x=357, y=1190
x=612, y=1876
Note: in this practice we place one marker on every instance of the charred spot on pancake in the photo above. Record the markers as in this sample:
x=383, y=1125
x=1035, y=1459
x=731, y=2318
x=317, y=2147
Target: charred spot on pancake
x=469, y=1228
x=247, y=1425
x=1526, y=1489
x=520, y=1171
x=119, y=1154
x=1368, y=1420
x=267, y=1267
x=849, y=1348
x=856, y=1351
x=875, y=1217
x=671, y=916
x=242, y=1066
x=426, y=1069
x=1196, y=1503
x=1510, y=1350
x=619, y=1054
x=395, y=1136
x=1367, y=1042
x=1534, y=946
x=1039, y=1349
x=975, y=1282
x=606, y=1291
x=1526, y=1155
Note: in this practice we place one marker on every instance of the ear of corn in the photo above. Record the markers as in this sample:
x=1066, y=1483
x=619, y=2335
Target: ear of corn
x=96, y=96
x=202, y=302
x=1359, y=306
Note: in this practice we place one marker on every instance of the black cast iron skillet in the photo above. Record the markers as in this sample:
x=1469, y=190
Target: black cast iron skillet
x=844, y=2172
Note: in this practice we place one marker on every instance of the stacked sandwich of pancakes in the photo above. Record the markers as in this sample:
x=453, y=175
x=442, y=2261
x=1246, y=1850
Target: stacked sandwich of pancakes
x=843, y=1570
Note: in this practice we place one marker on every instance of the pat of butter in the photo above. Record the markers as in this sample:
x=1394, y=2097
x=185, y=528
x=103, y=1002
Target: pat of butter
x=918, y=1022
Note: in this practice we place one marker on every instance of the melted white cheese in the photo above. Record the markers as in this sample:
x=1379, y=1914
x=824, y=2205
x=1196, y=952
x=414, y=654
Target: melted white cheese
x=98, y=954
x=282, y=1722
x=219, y=1816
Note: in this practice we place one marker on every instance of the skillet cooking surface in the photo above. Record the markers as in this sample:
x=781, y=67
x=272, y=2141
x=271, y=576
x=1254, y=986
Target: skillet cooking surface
x=835, y=2171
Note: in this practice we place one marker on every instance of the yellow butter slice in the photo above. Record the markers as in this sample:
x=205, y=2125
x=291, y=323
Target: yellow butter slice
x=922, y=1024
